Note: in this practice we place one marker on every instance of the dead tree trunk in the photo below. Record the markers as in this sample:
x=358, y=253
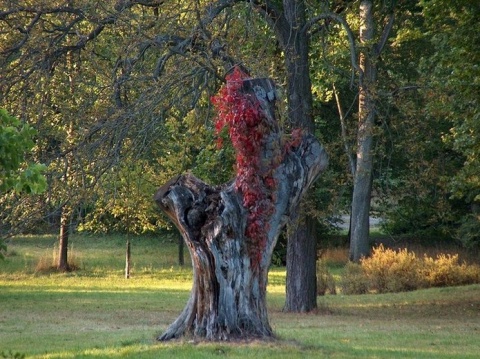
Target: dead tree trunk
x=230, y=264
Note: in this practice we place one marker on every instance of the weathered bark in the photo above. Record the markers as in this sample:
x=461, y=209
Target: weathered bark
x=362, y=184
x=228, y=298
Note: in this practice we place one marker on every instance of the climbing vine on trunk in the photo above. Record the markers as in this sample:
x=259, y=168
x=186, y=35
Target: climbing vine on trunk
x=249, y=127
x=231, y=230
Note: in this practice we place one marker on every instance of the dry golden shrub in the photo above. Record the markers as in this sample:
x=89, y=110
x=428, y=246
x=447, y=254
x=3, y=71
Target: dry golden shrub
x=47, y=263
x=445, y=270
x=388, y=270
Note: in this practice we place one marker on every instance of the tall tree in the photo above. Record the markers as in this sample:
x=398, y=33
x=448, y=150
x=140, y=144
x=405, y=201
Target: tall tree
x=301, y=293
x=374, y=23
x=362, y=182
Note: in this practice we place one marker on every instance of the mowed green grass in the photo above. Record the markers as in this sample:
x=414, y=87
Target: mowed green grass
x=96, y=313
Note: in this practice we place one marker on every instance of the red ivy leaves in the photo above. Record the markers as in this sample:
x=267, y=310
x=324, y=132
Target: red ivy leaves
x=241, y=113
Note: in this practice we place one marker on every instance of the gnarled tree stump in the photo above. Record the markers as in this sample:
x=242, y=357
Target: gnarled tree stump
x=230, y=262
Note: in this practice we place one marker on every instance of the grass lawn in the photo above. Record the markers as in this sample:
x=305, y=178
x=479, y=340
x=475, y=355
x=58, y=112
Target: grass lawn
x=96, y=313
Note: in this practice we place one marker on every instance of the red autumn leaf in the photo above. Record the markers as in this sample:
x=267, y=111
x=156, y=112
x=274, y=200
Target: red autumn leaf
x=247, y=128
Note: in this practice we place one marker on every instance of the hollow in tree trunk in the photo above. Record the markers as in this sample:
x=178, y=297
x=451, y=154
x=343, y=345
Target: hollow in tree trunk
x=231, y=230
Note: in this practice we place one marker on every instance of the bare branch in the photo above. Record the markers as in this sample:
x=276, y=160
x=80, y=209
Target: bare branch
x=346, y=144
x=378, y=48
x=51, y=57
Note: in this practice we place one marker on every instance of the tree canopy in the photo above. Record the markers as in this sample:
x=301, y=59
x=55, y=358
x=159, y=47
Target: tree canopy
x=119, y=94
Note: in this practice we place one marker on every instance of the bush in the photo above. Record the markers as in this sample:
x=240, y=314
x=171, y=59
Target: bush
x=325, y=280
x=389, y=270
x=392, y=271
x=334, y=256
x=445, y=271
x=354, y=280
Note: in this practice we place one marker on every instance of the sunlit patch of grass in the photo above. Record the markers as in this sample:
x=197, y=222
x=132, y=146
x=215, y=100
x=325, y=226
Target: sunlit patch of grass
x=97, y=313
x=187, y=350
x=93, y=255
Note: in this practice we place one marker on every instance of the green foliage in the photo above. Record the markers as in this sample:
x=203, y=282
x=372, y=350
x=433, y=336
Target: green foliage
x=123, y=200
x=469, y=231
x=215, y=166
x=413, y=164
x=123, y=203
x=391, y=271
x=452, y=75
x=16, y=140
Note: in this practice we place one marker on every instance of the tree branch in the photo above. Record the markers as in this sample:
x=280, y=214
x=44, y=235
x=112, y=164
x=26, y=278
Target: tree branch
x=346, y=144
x=348, y=30
x=271, y=13
x=378, y=48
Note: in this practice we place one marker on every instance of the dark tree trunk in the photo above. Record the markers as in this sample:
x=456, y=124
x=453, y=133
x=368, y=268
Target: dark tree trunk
x=301, y=268
x=62, y=263
x=301, y=295
x=228, y=298
x=128, y=258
